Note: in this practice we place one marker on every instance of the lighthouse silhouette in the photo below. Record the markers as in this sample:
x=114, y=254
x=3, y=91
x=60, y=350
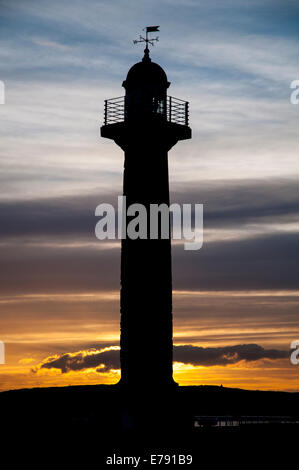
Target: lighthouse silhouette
x=146, y=124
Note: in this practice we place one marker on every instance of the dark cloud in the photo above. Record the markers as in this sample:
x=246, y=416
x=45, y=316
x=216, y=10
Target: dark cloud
x=261, y=262
x=264, y=262
x=27, y=268
x=186, y=354
x=226, y=205
x=222, y=356
x=241, y=202
x=51, y=217
x=108, y=359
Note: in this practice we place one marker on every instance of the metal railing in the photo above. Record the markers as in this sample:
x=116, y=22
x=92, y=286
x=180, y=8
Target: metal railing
x=114, y=110
x=177, y=110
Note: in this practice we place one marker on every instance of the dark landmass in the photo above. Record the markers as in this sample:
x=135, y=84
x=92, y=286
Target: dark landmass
x=87, y=419
x=90, y=402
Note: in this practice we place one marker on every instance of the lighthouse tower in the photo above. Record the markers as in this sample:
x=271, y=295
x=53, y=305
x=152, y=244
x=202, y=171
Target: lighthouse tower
x=146, y=124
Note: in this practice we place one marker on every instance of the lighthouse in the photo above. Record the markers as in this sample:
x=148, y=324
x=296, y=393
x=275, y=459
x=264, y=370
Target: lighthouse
x=146, y=123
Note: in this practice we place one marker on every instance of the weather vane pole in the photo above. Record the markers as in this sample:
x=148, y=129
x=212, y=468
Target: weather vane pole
x=148, y=29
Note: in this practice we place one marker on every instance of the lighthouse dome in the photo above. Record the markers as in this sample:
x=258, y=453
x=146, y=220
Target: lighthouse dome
x=146, y=72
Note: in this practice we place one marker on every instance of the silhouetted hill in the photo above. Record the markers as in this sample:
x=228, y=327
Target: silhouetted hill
x=82, y=418
x=91, y=402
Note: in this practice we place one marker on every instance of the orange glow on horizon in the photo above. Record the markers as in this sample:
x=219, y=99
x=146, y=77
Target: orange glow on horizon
x=90, y=318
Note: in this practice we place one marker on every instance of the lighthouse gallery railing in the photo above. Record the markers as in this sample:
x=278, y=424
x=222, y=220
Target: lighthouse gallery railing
x=177, y=110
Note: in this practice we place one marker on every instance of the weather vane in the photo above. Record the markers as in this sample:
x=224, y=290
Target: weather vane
x=148, y=29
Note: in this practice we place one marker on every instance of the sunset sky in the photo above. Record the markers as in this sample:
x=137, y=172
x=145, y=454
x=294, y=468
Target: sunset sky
x=235, y=301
